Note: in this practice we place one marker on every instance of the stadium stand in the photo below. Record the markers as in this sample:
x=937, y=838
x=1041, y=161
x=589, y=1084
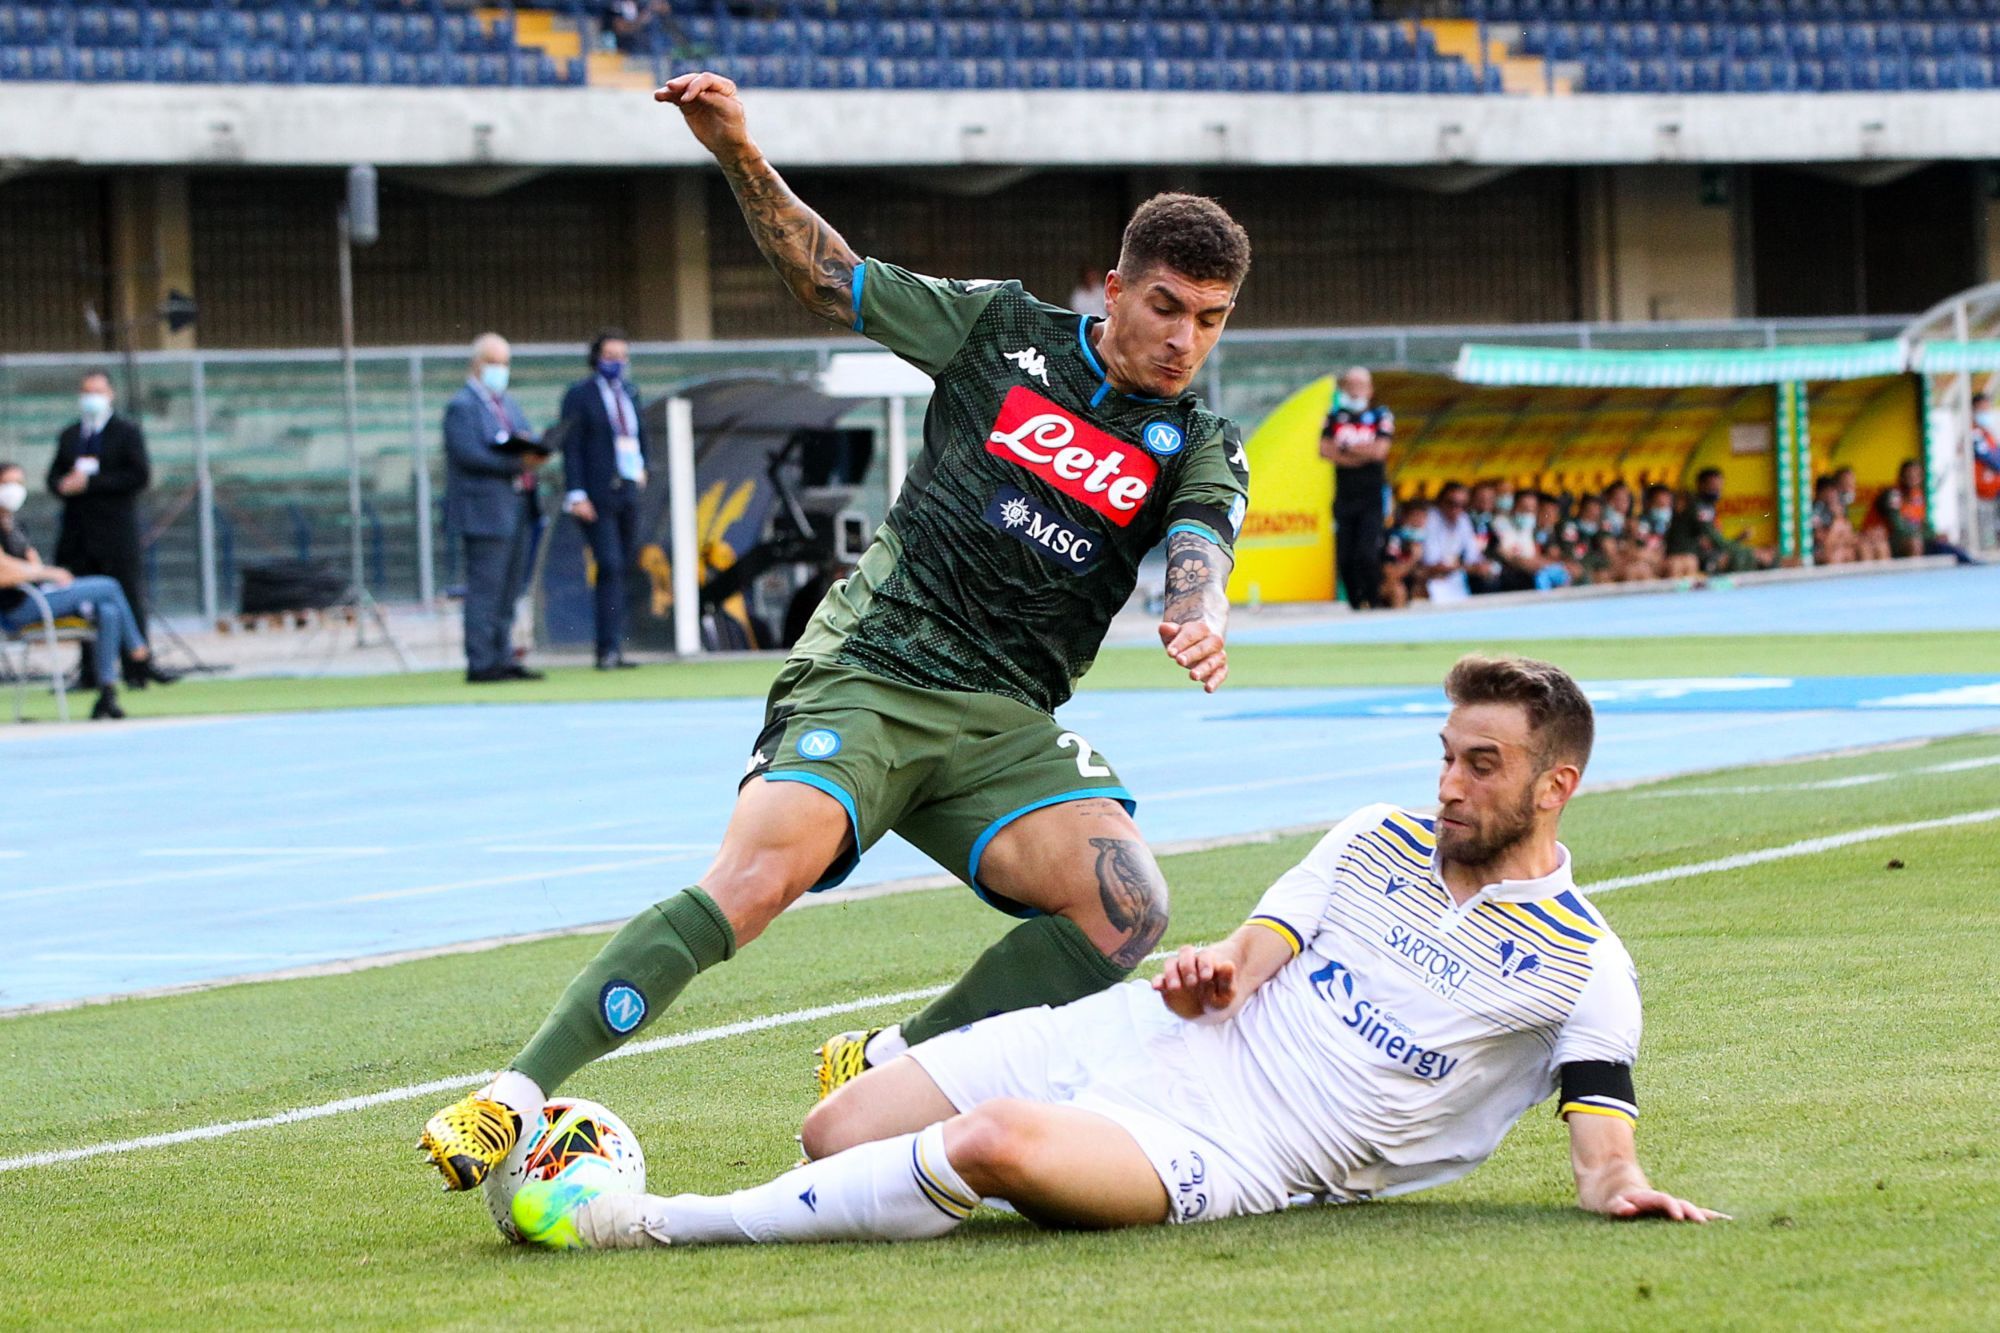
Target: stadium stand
x=1294, y=46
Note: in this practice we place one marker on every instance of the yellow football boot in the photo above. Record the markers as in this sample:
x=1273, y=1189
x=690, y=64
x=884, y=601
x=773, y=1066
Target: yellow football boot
x=842, y=1060
x=468, y=1139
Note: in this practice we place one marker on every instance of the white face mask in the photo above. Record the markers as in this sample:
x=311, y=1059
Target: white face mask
x=94, y=407
x=13, y=495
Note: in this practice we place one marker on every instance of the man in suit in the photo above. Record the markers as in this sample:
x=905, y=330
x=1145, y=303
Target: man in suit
x=604, y=469
x=99, y=470
x=490, y=500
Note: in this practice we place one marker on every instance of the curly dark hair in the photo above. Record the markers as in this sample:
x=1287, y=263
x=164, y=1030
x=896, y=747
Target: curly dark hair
x=1188, y=233
x=1559, y=716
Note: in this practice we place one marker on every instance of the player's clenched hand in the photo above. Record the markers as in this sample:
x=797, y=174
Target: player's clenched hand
x=1197, y=981
x=1197, y=646
x=1635, y=1203
x=714, y=114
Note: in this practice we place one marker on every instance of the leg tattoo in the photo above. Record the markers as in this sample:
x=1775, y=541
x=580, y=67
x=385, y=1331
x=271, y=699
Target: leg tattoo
x=1133, y=898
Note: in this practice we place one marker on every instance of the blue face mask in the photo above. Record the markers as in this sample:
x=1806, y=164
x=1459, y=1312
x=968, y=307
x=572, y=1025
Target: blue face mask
x=494, y=377
x=611, y=370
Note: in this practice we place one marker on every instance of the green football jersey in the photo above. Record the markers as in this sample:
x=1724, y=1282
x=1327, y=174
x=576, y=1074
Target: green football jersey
x=1019, y=532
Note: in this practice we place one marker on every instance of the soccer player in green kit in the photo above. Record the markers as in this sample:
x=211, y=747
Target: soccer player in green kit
x=1058, y=450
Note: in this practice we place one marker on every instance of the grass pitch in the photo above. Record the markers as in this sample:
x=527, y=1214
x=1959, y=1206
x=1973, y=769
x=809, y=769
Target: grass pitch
x=1972, y=651
x=1819, y=1060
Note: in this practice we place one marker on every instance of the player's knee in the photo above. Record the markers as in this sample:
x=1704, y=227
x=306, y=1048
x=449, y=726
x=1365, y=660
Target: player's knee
x=834, y=1125
x=751, y=889
x=993, y=1146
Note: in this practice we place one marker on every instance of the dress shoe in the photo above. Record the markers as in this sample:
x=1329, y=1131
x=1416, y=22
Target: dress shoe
x=107, y=705
x=489, y=676
x=519, y=672
x=615, y=662
x=139, y=674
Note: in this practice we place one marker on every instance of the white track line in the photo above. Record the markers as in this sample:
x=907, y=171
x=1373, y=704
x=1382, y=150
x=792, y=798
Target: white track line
x=700, y=1036
x=1826, y=784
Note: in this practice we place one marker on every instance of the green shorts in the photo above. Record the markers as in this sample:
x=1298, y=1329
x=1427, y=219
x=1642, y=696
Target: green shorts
x=945, y=769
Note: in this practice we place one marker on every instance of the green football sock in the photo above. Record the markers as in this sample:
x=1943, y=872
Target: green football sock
x=1048, y=960
x=632, y=980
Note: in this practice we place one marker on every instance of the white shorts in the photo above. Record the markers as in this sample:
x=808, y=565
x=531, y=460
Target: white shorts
x=1122, y=1055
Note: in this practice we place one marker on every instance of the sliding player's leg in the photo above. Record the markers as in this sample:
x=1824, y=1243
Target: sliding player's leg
x=781, y=840
x=1058, y=1165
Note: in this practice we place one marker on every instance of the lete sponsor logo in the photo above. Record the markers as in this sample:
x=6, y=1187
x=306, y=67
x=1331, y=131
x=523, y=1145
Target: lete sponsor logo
x=1048, y=534
x=1108, y=474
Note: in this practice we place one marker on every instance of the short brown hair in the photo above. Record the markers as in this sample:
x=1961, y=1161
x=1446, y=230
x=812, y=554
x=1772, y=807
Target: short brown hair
x=1559, y=716
x=1192, y=235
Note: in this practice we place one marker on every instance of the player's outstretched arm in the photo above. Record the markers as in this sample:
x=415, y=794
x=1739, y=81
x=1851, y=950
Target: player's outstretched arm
x=1197, y=610
x=815, y=263
x=1213, y=983
x=1604, y=1156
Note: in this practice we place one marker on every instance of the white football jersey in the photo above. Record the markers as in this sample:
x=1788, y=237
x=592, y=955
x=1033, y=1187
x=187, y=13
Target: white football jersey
x=1409, y=1034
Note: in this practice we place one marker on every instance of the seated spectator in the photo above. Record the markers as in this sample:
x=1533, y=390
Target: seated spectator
x=1402, y=552
x=1834, y=540
x=1450, y=545
x=1695, y=533
x=1618, y=510
x=1902, y=513
x=96, y=597
x=1872, y=542
x=1519, y=541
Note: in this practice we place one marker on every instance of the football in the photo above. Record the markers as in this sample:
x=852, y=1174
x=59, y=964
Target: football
x=574, y=1137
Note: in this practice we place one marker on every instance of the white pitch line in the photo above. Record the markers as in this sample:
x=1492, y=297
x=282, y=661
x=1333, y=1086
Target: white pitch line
x=1808, y=847
x=337, y=850
x=591, y=848
x=410, y=1092
x=1826, y=784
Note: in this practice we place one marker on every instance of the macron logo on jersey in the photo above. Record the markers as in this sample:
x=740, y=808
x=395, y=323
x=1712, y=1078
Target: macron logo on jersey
x=1109, y=475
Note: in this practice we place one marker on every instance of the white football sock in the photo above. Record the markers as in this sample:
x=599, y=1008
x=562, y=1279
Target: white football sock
x=519, y=1094
x=895, y=1189
x=885, y=1046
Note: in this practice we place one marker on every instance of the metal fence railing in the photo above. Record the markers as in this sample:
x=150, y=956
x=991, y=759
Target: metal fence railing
x=249, y=452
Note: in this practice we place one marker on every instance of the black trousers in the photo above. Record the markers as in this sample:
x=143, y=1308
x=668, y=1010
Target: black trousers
x=614, y=542
x=1357, y=552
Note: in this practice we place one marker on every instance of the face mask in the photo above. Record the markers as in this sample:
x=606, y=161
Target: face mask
x=1503, y=504
x=13, y=495
x=1351, y=403
x=494, y=377
x=611, y=370
x=1988, y=421
x=94, y=407
x=1662, y=513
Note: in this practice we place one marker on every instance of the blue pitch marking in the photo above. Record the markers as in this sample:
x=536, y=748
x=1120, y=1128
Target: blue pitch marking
x=182, y=852
x=1938, y=599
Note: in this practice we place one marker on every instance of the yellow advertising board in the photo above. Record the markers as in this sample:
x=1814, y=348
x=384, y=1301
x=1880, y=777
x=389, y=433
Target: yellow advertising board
x=1285, y=551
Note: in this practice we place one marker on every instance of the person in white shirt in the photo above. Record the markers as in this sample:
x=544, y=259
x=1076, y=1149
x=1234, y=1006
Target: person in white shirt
x=1451, y=544
x=1393, y=1005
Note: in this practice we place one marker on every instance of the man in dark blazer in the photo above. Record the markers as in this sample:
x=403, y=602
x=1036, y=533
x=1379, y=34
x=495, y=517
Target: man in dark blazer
x=490, y=501
x=99, y=470
x=604, y=469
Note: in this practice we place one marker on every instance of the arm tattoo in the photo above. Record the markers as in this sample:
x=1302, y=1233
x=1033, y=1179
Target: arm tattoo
x=811, y=258
x=1133, y=897
x=1197, y=573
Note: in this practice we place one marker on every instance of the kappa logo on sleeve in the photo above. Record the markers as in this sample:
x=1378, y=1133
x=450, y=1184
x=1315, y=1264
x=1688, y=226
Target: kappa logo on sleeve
x=1110, y=475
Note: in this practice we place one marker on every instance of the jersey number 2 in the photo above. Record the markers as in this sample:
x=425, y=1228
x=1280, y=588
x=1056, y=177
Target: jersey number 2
x=1086, y=761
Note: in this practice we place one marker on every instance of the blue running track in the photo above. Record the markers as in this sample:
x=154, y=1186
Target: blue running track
x=149, y=856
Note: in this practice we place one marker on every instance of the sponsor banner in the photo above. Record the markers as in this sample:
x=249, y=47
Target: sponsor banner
x=1285, y=551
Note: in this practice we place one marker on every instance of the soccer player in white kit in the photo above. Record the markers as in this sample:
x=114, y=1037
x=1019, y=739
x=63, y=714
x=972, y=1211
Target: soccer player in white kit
x=1394, y=1004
